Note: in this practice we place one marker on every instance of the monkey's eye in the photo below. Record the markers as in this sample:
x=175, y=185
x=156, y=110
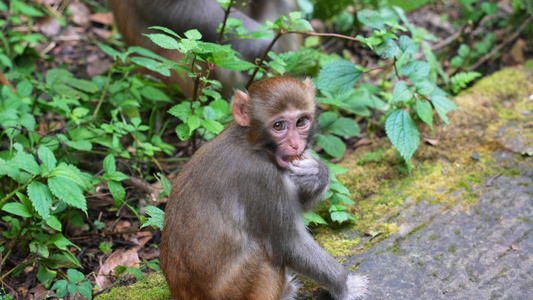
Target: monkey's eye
x=302, y=121
x=279, y=126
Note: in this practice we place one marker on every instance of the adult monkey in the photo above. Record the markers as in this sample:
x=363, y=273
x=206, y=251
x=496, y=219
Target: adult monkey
x=133, y=17
x=233, y=221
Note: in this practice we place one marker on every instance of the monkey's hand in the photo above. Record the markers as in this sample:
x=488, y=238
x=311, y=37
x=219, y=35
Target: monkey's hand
x=356, y=288
x=311, y=176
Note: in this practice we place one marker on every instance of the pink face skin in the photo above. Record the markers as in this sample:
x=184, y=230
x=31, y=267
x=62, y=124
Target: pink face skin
x=290, y=131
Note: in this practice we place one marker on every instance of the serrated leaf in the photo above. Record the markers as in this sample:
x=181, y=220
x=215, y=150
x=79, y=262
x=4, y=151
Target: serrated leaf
x=118, y=176
x=68, y=191
x=388, y=49
x=213, y=126
x=194, y=122
x=425, y=112
x=151, y=64
x=338, y=77
x=41, y=198
x=109, y=164
x=403, y=133
x=407, y=45
x=416, y=70
x=81, y=84
x=344, y=199
x=182, y=130
x=164, y=41
x=327, y=118
x=424, y=87
x=156, y=217
x=118, y=192
x=313, y=217
x=401, y=92
x=25, y=161
x=47, y=157
x=341, y=216
x=336, y=169
x=71, y=172
x=17, y=209
x=339, y=187
x=167, y=186
x=371, y=18
x=443, y=105
x=344, y=127
x=333, y=145
x=182, y=111
x=193, y=34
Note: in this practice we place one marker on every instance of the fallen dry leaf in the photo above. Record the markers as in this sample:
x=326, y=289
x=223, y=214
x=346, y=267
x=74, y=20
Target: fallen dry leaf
x=118, y=258
x=102, y=18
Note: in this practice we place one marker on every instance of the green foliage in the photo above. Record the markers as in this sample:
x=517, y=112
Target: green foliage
x=74, y=284
x=461, y=80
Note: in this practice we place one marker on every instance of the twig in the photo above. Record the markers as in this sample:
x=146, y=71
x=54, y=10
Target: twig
x=346, y=37
x=226, y=15
x=490, y=182
x=499, y=48
x=260, y=62
x=104, y=234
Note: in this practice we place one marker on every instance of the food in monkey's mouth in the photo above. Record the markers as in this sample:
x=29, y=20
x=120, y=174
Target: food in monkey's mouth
x=292, y=158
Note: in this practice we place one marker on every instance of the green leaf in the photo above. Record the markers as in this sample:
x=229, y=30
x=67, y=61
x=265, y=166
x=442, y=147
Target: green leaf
x=443, y=105
x=25, y=9
x=109, y=164
x=193, y=34
x=313, y=217
x=213, y=126
x=54, y=223
x=327, y=118
x=388, y=49
x=156, y=217
x=17, y=209
x=182, y=130
x=68, y=191
x=75, y=276
x=336, y=169
x=338, y=77
x=164, y=41
x=407, y=45
x=403, y=133
x=118, y=192
x=61, y=242
x=371, y=19
x=81, y=84
x=25, y=161
x=182, y=111
x=344, y=127
x=401, y=92
x=61, y=288
x=154, y=94
x=151, y=64
x=424, y=87
x=425, y=112
x=333, y=145
x=339, y=187
x=118, y=176
x=167, y=186
x=41, y=198
x=341, y=216
x=86, y=289
x=194, y=123
x=71, y=172
x=46, y=276
x=416, y=70
x=343, y=198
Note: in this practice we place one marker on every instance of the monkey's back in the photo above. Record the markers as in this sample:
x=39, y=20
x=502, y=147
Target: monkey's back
x=206, y=251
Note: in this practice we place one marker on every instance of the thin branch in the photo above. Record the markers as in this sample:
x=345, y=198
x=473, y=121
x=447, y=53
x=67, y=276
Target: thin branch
x=500, y=47
x=226, y=15
x=260, y=62
x=346, y=37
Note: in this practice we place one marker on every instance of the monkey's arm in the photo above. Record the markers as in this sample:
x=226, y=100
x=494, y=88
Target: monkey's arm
x=308, y=258
x=311, y=176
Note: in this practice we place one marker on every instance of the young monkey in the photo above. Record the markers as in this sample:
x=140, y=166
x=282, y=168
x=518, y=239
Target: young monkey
x=233, y=221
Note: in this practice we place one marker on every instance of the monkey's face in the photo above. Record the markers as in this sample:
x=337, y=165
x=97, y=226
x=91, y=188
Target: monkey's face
x=290, y=131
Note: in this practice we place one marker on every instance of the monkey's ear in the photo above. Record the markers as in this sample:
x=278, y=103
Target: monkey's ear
x=309, y=83
x=241, y=108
